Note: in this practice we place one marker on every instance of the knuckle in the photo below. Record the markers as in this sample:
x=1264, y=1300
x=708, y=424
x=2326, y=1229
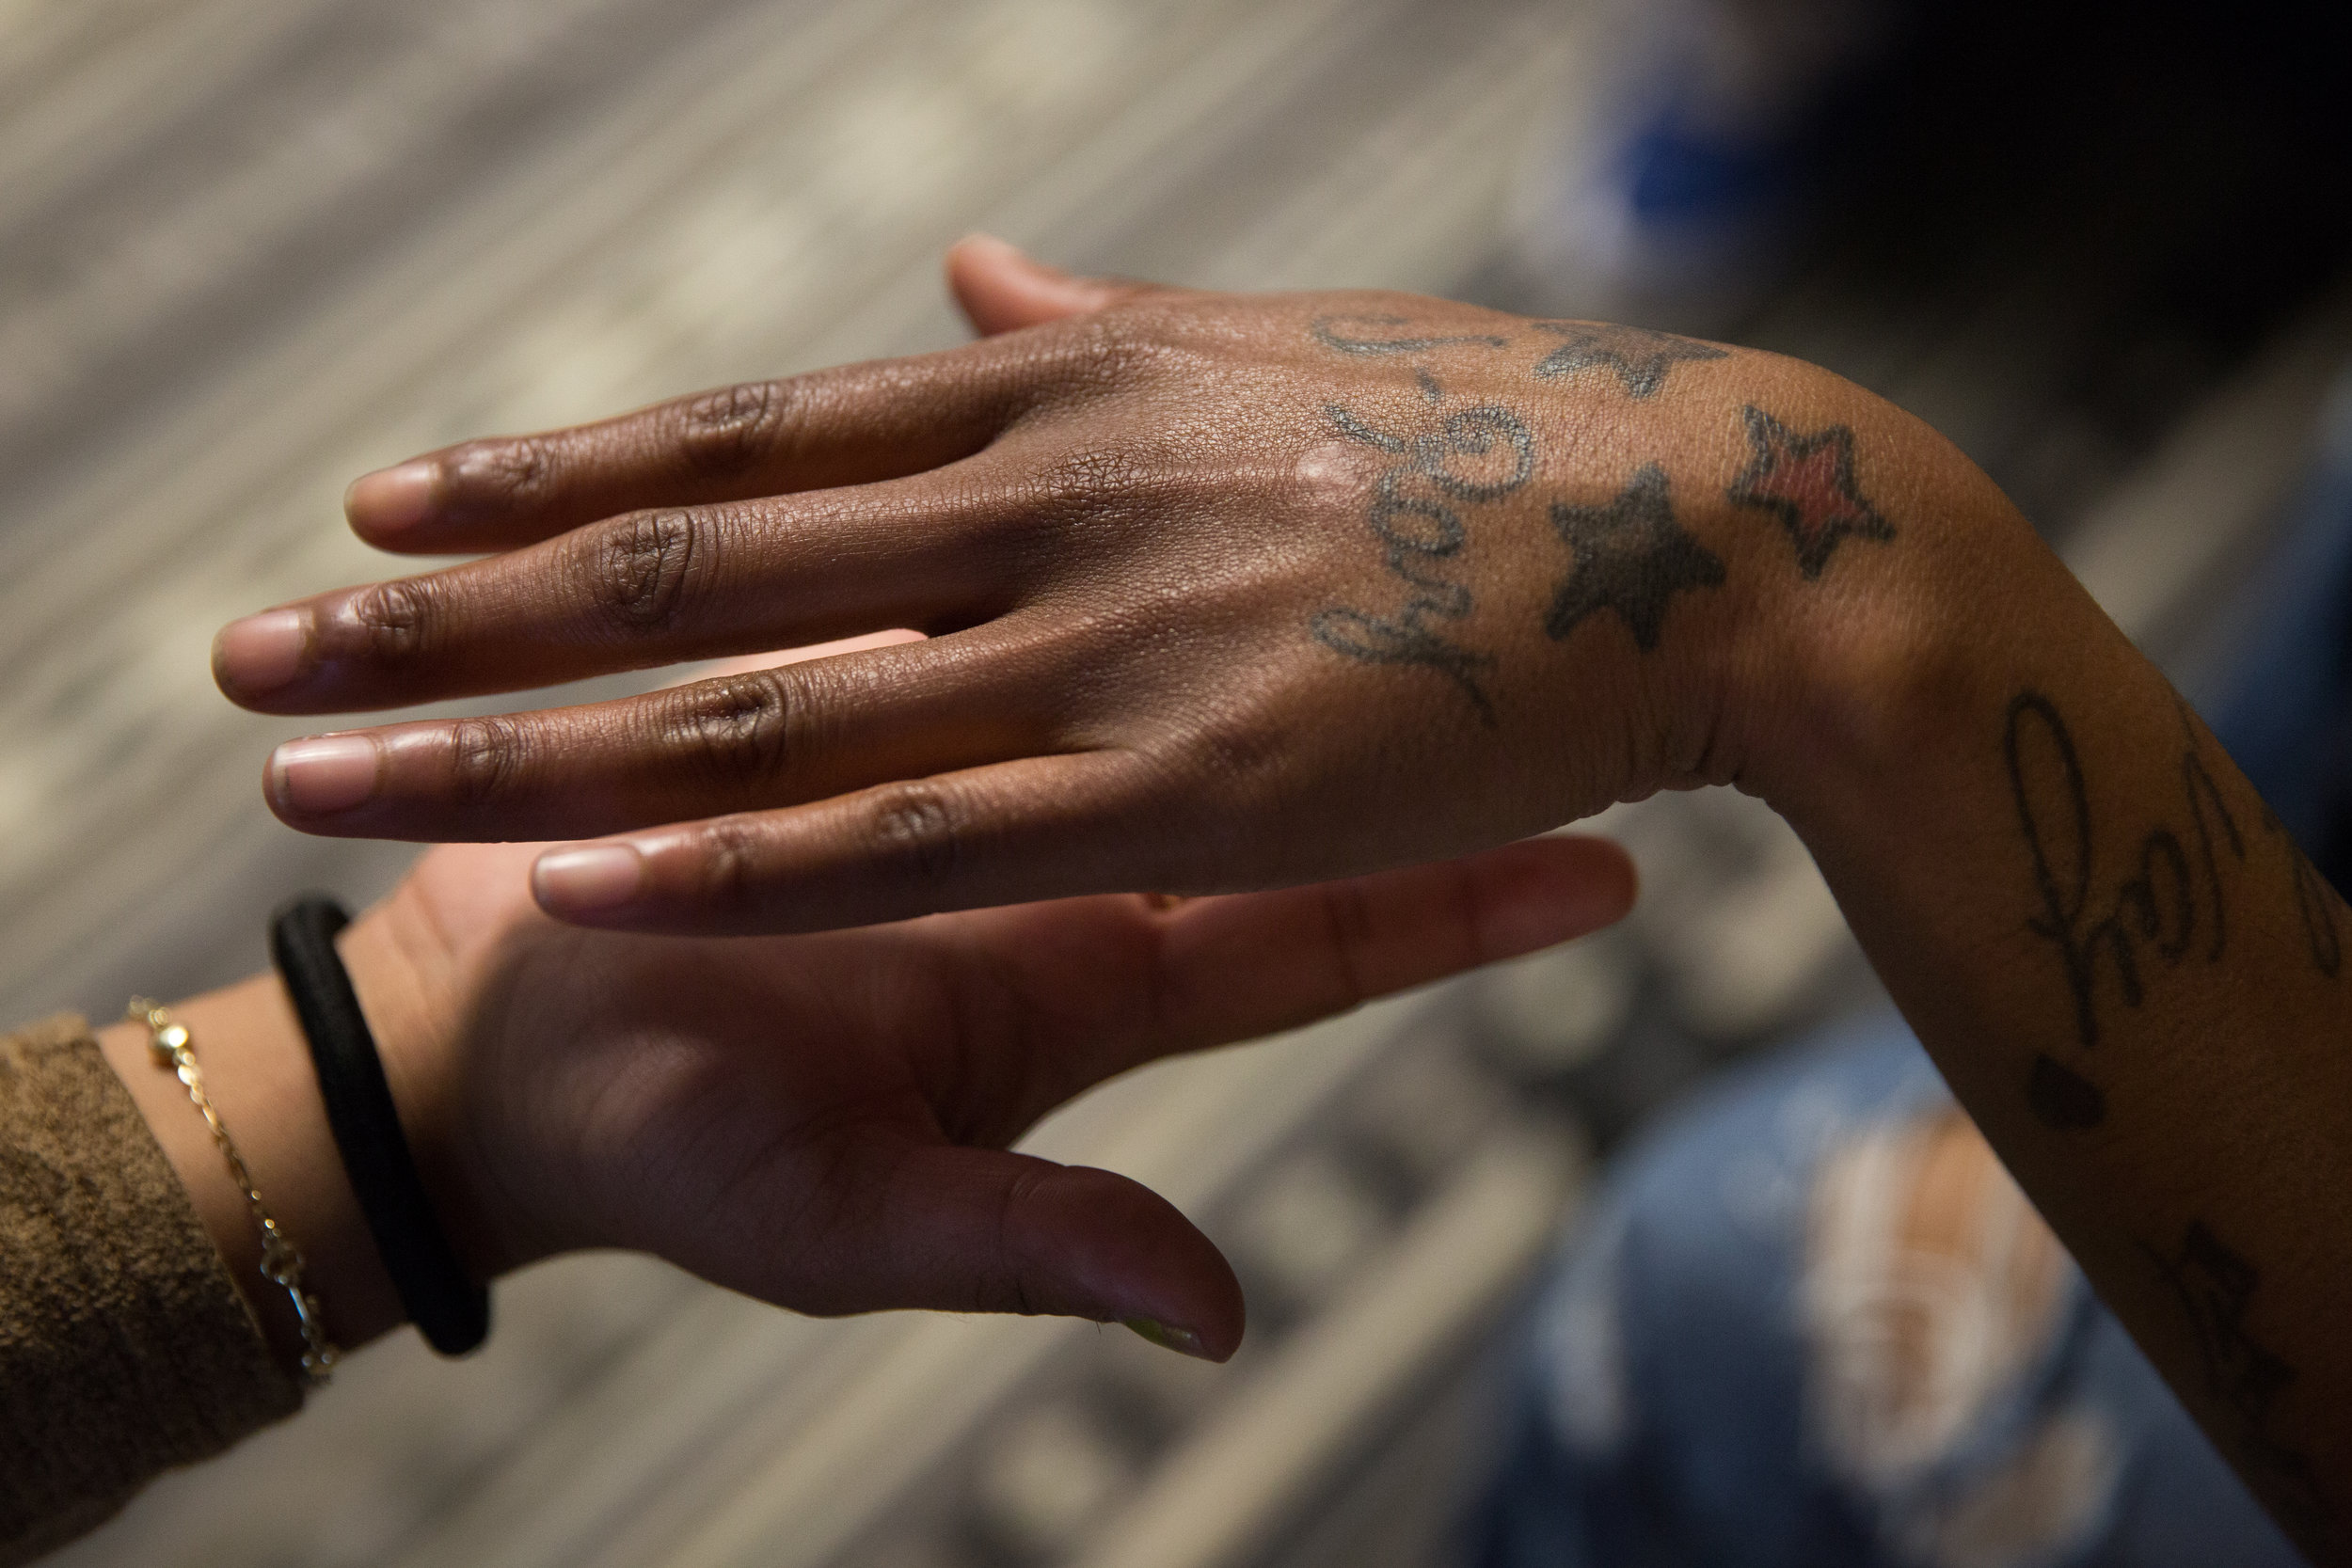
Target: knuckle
x=639, y=568
x=724, y=432
x=517, y=470
x=487, y=758
x=1092, y=474
x=1239, y=760
x=741, y=727
x=1010, y=1289
x=1097, y=486
x=1238, y=800
x=394, y=620
x=914, y=829
x=1348, y=919
x=1124, y=346
x=727, y=867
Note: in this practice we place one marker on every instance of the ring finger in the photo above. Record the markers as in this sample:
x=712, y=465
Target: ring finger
x=653, y=588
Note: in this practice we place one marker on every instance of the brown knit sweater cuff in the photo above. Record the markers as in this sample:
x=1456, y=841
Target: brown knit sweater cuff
x=125, y=1347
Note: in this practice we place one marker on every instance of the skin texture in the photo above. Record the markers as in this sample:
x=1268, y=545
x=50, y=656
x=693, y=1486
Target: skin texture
x=1241, y=591
x=820, y=1121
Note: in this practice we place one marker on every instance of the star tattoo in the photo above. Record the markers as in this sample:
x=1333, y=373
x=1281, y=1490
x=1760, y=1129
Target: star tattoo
x=1631, y=556
x=1807, y=482
x=2215, y=1288
x=1338, y=332
x=1640, y=356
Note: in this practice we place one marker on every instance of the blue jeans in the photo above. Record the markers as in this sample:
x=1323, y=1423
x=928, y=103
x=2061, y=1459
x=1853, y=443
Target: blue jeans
x=1739, y=1356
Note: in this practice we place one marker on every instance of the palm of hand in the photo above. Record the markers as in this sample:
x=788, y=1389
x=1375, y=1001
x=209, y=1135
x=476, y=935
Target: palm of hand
x=821, y=1120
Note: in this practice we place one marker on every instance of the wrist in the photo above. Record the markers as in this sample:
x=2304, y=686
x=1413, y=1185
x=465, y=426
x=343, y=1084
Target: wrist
x=1838, y=687
x=257, y=1073
x=421, y=1004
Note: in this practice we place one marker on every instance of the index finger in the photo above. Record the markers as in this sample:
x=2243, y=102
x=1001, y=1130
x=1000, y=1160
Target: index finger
x=853, y=424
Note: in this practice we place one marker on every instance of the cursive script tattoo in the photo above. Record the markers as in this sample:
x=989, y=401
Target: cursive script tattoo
x=1473, y=433
x=1631, y=556
x=2215, y=1288
x=1474, y=456
x=1640, y=356
x=2314, y=901
x=1341, y=333
x=1406, y=637
x=2172, y=896
x=2172, y=906
x=1807, y=482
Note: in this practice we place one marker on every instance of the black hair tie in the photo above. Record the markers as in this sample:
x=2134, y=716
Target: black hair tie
x=442, y=1300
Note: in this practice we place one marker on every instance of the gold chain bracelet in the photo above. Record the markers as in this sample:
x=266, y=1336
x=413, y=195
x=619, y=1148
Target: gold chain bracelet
x=281, y=1261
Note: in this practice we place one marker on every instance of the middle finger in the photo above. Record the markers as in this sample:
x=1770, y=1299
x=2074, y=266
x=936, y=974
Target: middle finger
x=647, y=589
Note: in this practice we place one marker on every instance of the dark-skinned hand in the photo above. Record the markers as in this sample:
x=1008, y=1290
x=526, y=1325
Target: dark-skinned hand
x=1221, y=592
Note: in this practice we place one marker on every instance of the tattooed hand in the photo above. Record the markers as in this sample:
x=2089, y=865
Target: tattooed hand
x=1220, y=592
x=1226, y=593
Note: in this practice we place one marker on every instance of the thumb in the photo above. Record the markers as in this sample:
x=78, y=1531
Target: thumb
x=1001, y=288
x=964, y=1229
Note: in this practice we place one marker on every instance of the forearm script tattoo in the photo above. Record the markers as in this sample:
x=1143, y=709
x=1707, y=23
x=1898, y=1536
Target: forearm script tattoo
x=2170, y=907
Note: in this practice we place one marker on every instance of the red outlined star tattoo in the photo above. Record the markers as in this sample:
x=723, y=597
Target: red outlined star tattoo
x=1807, y=482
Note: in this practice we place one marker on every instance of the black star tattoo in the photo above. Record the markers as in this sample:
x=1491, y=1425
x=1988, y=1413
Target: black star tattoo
x=1338, y=332
x=1640, y=356
x=2215, y=1288
x=1631, y=556
x=1807, y=482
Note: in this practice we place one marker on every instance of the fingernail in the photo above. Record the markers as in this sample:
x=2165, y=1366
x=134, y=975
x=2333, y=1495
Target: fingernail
x=391, y=500
x=327, y=772
x=593, y=877
x=263, y=652
x=1168, y=1337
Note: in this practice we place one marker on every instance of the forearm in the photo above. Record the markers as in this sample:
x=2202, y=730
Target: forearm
x=2126, y=970
x=1240, y=592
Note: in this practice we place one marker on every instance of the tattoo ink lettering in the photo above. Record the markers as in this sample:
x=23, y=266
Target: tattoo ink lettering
x=1407, y=639
x=1477, y=455
x=2155, y=915
x=2173, y=903
x=1640, y=356
x=1479, y=432
x=2215, y=1288
x=2197, y=784
x=1340, y=333
x=1807, y=482
x=2314, y=902
x=1631, y=556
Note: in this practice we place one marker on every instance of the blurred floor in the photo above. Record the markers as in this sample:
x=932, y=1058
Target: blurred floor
x=251, y=247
